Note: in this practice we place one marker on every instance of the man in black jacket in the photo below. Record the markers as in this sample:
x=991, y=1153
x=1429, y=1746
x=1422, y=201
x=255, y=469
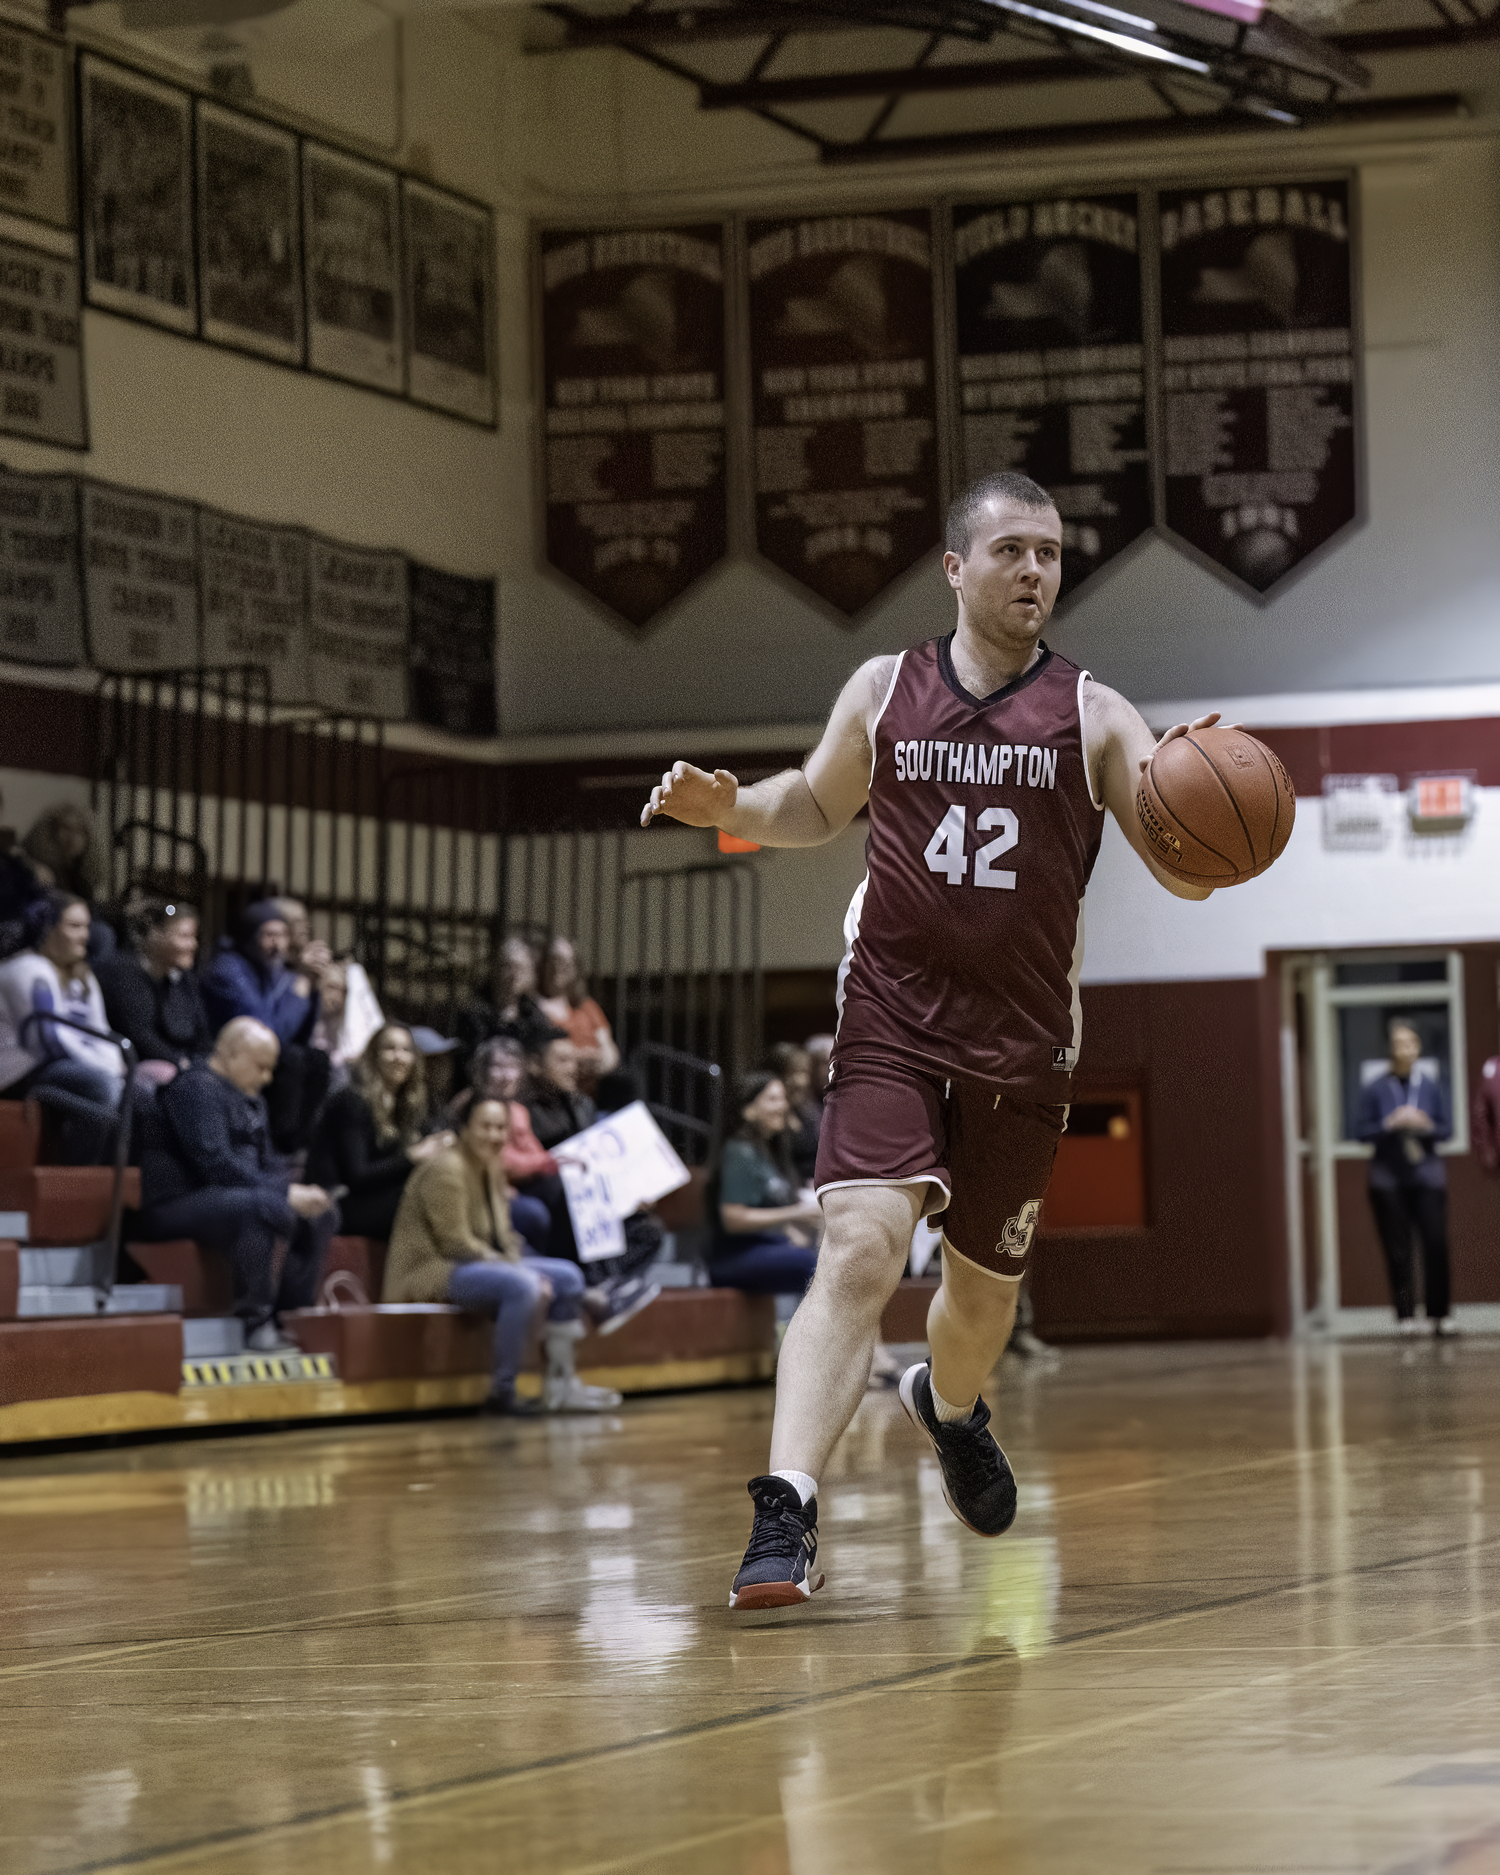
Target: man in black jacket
x=208, y=1172
x=151, y=993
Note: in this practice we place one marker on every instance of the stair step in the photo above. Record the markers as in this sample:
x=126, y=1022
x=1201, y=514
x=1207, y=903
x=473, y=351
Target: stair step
x=144, y=1299
x=66, y=1204
x=78, y=1266
x=37, y=1301
x=205, y=1337
x=15, y=1225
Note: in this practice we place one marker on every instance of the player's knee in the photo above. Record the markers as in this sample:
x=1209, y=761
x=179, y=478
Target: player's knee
x=862, y=1262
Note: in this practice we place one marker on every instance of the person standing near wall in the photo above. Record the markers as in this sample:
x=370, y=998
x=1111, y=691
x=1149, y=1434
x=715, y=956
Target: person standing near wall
x=1404, y=1114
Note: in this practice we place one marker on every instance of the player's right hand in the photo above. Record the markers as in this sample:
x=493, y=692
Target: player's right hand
x=692, y=796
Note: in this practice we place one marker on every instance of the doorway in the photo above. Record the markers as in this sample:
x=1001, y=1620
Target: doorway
x=1335, y=1011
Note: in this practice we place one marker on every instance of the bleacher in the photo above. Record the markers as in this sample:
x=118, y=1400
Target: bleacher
x=85, y=1350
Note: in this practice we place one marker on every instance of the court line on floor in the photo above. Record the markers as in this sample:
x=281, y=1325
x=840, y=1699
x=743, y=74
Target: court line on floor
x=310, y=1820
x=397, y=1614
x=657, y=1853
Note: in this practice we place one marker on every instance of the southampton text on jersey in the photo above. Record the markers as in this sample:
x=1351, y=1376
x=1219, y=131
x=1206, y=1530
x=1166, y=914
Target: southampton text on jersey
x=1023, y=765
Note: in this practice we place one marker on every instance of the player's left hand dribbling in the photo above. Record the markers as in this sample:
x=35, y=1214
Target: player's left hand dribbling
x=692, y=796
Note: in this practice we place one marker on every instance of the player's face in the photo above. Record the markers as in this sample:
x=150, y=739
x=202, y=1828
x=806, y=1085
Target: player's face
x=1007, y=582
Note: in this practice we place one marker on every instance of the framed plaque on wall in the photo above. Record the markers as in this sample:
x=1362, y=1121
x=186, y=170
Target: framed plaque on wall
x=351, y=231
x=450, y=296
x=249, y=234
x=847, y=486
x=137, y=193
x=1260, y=379
x=633, y=366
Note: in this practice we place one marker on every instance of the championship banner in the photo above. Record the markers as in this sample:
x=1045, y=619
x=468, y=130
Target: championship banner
x=633, y=343
x=41, y=347
x=452, y=658
x=140, y=556
x=358, y=629
x=36, y=149
x=847, y=493
x=1258, y=374
x=41, y=595
x=255, y=600
x=1050, y=363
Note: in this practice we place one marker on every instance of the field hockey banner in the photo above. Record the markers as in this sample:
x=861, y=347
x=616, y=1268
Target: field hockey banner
x=632, y=327
x=844, y=401
x=1259, y=374
x=1050, y=362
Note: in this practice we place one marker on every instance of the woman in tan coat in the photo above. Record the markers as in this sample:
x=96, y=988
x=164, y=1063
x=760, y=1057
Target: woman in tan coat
x=453, y=1242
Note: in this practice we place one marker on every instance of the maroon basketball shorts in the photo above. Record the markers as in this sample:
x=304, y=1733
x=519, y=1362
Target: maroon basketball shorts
x=887, y=1122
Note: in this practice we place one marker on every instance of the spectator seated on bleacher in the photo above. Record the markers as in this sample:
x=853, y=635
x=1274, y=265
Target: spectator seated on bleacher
x=506, y=1005
x=765, y=1231
x=209, y=1172
x=793, y=1067
x=251, y=976
x=495, y=1071
x=566, y=1003
x=77, y=1077
x=64, y=853
x=151, y=993
x=370, y=1137
x=453, y=1242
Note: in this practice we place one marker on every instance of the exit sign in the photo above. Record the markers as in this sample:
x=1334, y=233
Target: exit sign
x=1441, y=802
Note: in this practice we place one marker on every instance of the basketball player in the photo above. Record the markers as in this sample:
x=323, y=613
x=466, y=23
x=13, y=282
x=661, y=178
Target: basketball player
x=988, y=762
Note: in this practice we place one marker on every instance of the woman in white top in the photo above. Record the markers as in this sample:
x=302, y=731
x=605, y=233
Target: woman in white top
x=78, y=1076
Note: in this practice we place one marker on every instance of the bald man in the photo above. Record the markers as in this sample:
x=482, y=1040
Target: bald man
x=208, y=1172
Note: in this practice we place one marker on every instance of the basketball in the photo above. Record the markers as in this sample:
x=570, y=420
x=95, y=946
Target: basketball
x=1216, y=806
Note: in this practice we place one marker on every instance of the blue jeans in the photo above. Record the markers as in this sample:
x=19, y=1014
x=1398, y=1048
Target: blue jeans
x=533, y=1220
x=509, y=1291
x=86, y=1101
x=761, y=1263
x=245, y=1222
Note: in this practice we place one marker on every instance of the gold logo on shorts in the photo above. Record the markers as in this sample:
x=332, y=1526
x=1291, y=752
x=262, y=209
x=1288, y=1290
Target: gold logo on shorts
x=1019, y=1230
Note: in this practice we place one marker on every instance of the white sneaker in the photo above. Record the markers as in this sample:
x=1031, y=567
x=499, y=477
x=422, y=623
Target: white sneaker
x=1408, y=1328
x=566, y=1393
x=1445, y=1328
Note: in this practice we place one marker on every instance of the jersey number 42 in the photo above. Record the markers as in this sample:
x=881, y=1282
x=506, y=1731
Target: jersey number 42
x=945, y=853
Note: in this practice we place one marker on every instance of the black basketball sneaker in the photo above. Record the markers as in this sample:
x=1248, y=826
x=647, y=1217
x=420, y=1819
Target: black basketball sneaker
x=783, y=1546
x=977, y=1479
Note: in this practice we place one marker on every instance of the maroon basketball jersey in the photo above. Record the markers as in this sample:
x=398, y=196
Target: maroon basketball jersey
x=966, y=938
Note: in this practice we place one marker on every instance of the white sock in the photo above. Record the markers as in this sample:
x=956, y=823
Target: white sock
x=946, y=1411
x=805, y=1487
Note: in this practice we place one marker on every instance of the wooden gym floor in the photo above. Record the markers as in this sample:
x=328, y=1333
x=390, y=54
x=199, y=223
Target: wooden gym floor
x=1247, y=1621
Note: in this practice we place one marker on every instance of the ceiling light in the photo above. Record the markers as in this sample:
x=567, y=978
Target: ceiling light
x=1114, y=13
x=1122, y=42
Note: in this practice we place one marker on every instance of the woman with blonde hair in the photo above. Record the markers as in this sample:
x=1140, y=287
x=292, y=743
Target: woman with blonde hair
x=373, y=1133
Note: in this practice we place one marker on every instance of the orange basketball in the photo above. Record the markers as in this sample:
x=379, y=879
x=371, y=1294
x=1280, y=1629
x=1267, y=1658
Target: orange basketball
x=1216, y=806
